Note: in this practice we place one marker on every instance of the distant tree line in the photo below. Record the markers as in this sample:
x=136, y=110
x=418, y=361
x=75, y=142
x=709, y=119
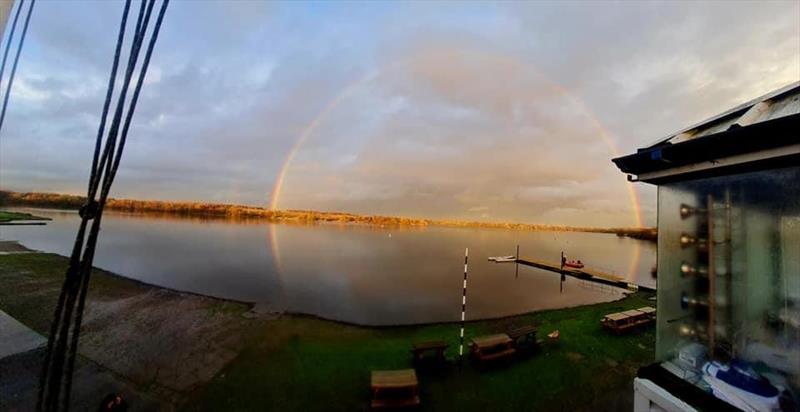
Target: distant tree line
x=218, y=210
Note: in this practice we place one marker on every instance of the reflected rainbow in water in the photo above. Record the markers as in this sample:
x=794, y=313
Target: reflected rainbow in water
x=359, y=274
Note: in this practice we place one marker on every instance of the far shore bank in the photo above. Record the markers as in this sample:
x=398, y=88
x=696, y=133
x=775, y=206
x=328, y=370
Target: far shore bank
x=200, y=353
x=230, y=211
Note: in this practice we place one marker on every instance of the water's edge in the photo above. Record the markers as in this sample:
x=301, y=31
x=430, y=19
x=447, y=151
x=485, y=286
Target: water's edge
x=252, y=305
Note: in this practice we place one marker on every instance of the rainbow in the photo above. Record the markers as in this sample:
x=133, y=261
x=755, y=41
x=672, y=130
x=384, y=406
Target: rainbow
x=308, y=131
x=331, y=106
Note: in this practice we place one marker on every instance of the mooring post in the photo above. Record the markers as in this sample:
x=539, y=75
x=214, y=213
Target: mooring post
x=561, y=273
x=463, y=308
x=516, y=263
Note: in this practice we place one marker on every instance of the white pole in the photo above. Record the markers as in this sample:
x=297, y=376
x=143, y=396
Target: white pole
x=463, y=306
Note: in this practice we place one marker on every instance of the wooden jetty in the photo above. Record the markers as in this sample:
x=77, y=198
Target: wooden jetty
x=586, y=273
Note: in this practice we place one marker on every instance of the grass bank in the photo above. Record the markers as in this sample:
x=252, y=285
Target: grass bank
x=305, y=363
x=302, y=363
x=7, y=216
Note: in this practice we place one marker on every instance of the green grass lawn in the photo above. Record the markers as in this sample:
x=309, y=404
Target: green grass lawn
x=306, y=364
x=302, y=363
x=6, y=216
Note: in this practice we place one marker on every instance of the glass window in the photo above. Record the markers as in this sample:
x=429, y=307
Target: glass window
x=729, y=284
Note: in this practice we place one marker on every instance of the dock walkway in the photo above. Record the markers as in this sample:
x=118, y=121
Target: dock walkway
x=593, y=275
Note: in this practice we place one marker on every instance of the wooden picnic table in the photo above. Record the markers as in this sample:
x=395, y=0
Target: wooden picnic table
x=522, y=331
x=627, y=320
x=648, y=310
x=491, y=347
x=437, y=347
x=524, y=337
x=634, y=313
x=394, y=388
x=616, y=316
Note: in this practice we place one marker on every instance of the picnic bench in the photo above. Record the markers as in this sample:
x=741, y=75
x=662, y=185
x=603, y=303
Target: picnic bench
x=628, y=320
x=394, y=388
x=524, y=338
x=649, y=311
x=492, y=347
x=435, y=348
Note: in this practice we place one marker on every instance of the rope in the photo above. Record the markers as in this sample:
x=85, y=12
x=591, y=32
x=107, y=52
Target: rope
x=88, y=212
x=61, y=322
x=107, y=187
x=103, y=171
x=16, y=57
x=75, y=255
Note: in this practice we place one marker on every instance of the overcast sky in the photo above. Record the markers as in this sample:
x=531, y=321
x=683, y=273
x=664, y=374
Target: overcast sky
x=448, y=110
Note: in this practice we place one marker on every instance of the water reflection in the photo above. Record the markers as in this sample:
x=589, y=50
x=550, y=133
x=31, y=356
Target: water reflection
x=360, y=274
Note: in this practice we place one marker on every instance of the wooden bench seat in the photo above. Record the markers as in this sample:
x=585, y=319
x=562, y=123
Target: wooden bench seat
x=435, y=347
x=492, y=347
x=649, y=311
x=394, y=388
x=524, y=338
x=624, y=321
x=497, y=355
x=395, y=403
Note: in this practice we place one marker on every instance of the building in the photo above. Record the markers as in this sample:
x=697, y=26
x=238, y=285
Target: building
x=728, y=328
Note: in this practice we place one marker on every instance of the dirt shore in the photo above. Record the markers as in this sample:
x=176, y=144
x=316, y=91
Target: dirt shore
x=165, y=342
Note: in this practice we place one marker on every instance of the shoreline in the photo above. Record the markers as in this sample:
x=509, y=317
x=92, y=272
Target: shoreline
x=202, y=353
x=256, y=213
x=253, y=305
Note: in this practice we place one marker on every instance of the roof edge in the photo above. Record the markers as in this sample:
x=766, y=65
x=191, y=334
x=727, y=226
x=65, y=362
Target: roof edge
x=741, y=107
x=770, y=134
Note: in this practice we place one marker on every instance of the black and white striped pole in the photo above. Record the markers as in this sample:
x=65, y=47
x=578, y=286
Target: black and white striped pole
x=463, y=307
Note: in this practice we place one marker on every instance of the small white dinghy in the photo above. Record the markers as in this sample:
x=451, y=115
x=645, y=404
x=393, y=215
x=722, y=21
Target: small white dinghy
x=501, y=259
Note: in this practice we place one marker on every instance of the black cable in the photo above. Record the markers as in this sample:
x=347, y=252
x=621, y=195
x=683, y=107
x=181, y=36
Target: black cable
x=97, y=173
x=16, y=61
x=90, y=195
x=111, y=80
x=104, y=168
x=11, y=37
x=136, y=92
x=89, y=211
x=108, y=180
x=79, y=240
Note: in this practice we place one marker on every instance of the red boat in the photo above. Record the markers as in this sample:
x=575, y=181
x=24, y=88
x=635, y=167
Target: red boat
x=577, y=264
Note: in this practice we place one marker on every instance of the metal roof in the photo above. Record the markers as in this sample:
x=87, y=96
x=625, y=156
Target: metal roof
x=778, y=103
x=762, y=133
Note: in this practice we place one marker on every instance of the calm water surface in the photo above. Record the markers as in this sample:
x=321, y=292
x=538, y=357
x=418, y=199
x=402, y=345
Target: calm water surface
x=360, y=274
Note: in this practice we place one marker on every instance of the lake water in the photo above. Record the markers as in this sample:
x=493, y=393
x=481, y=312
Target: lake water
x=359, y=274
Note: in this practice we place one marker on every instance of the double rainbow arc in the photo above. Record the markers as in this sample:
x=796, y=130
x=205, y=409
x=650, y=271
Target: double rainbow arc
x=345, y=93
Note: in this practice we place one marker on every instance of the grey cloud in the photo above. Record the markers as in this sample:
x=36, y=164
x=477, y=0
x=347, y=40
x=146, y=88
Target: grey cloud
x=461, y=107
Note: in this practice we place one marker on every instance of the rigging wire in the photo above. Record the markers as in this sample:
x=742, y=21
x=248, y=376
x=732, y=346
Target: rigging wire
x=16, y=57
x=11, y=37
x=109, y=178
x=102, y=173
